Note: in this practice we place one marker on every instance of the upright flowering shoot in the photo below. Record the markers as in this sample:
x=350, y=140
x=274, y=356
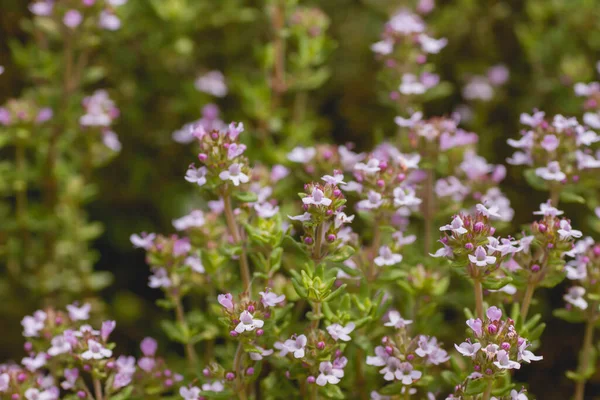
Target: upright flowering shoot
x=559, y=153
x=469, y=242
x=494, y=347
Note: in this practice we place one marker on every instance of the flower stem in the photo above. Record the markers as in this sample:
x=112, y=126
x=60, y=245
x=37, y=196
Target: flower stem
x=527, y=301
x=554, y=195
x=488, y=390
x=190, y=352
x=428, y=210
x=237, y=367
x=478, y=298
x=316, y=312
x=318, y=243
x=584, y=361
x=235, y=233
x=374, y=249
x=97, y=389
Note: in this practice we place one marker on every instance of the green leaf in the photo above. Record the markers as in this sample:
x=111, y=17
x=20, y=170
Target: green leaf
x=341, y=254
x=476, y=386
x=570, y=197
x=495, y=283
x=123, y=394
x=572, y=316
x=275, y=259
x=535, y=181
x=246, y=197
x=174, y=331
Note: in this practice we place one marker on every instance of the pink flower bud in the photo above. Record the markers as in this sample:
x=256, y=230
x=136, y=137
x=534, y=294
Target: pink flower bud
x=505, y=346
x=488, y=371
x=230, y=376
x=206, y=372
x=233, y=334
x=410, y=357
x=337, y=192
x=202, y=157
x=535, y=268
x=308, y=240
x=81, y=394
x=28, y=346
x=542, y=227
x=251, y=309
x=389, y=350
x=383, y=165
x=492, y=230
x=478, y=227
x=394, y=96
x=250, y=371
x=15, y=396
x=327, y=154
x=575, y=178
x=401, y=177
x=87, y=367
x=384, y=340
x=21, y=377
x=330, y=237
x=214, y=135
x=477, y=367
x=550, y=245
x=260, y=332
x=421, y=59
x=110, y=364
x=329, y=212
x=469, y=246
x=380, y=183
x=321, y=345
x=311, y=379
x=168, y=382
x=492, y=329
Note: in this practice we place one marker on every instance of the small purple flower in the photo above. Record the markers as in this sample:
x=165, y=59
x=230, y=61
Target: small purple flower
x=109, y=21
x=302, y=218
x=234, y=174
x=494, y=313
x=329, y=374
x=260, y=354
x=503, y=362
x=195, y=263
x=546, y=209
x=468, y=349
x=396, y=320
x=550, y=143
x=336, y=179
x=148, y=346
x=372, y=202
x=278, y=172
x=248, y=323
x=456, y=226
x=71, y=376
x=95, y=351
x=488, y=212
x=196, y=175
x=526, y=355
x=59, y=346
x=32, y=325
x=575, y=295
x=566, y=232
x=79, y=313
x=295, y=346
x=409, y=122
x=386, y=257
x=302, y=155
x=266, y=210
x=481, y=259
x=431, y=45
x=235, y=150
x=226, y=300
x=340, y=332
x=34, y=362
x=405, y=197
x=476, y=326
x=159, y=279
x=317, y=198
x=270, y=299
x=143, y=241
x=192, y=393
x=42, y=8
x=72, y=18
x=213, y=83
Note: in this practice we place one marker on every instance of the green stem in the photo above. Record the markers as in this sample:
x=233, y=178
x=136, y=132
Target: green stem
x=527, y=301
x=316, y=313
x=586, y=349
x=406, y=392
x=97, y=389
x=478, y=298
x=235, y=233
x=190, y=352
x=554, y=195
x=429, y=210
x=318, y=243
x=374, y=250
x=237, y=367
x=488, y=390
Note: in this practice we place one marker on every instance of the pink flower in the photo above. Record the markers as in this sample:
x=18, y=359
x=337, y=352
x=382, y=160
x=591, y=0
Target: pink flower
x=336, y=179
x=494, y=313
x=248, y=323
x=95, y=351
x=270, y=299
x=476, y=326
x=481, y=259
x=294, y=345
x=234, y=174
x=340, y=332
x=546, y=209
x=456, y=226
x=329, y=374
x=503, y=362
x=372, y=202
x=468, y=349
x=196, y=175
x=148, y=346
x=317, y=198
x=566, y=232
x=302, y=154
x=213, y=83
x=396, y=320
x=226, y=300
x=79, y=313
x=72, y=18
x=386, y=257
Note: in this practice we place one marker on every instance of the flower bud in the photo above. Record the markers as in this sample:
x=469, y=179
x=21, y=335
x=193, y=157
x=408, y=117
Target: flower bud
x=410, y=357
x=168, y=382
x=202, y=157
x=337, y=192
x=330, y=237
x=206, y=372
x=308, y=240
x=260, y=332
x=250, y=371
x=469, y=246
x=389, y=350
x=321, y=345
x=492, y=329
x=81, y=394
x=478, y=227
x=233, y=334
x=542, y=227
x=488, y=371
x=380, y=183
x=492, y=230
x=21, y=377
x=251, y=309
x=505, y=346
x=535, y=268
x=230, y=376
x=311, y=379
x=28, y=346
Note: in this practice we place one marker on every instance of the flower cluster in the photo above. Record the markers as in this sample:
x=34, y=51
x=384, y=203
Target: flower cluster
x=560, y=151
x=221, y=156
x=481, y=87
x=584, y=272
x=23, y=112
x=494, y=347
x=100, y=113
x=209, y=121
x=99, y=12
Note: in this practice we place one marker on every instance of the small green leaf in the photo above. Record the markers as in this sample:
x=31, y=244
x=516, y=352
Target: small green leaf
x=246, y=197
x=495, y=283
x=570, y=197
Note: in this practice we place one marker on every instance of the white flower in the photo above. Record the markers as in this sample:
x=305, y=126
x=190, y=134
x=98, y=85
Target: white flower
x=566, y=232
x=468, y=349
x=196, y=175
x=503, y=362
x=329, y=374
x=144, y=241
x=266, y=210
x=34, y=363
x=59, y=346
x=95, y=351
x=527, y=355
x=575, y=296
x=586, y=161
x=302, y=218
x=234, y=174
x=213, y=83
x=431, y=45
x=36, y=394
x=405, y=197
x=248, y=323
x=159, y=278
x=409, y=122
x=551, y=172
x=386, y=257
x=576, y=270
x=295, y=346
x=317, y=198
x=481, y=259
x=270, y=299
x=373, y=201
x=341, y=332
x=380, y=359
x=195, y=219
x=534, y=119
x=592, y=119
x=4, y=382
x=341, y=218
x=546, y=209
x=79, y=313
x=258, y=355
x=383, y=47
x=519, y=158
x=396, y=320
x=514, y=395
x=370, y=168
x=562, y=123
x=302, y=154
x=411, y=85
x=192, y=393
x=408, y=161
x=336, y=179
x=216, y=386
x=488, y=212
x=195, y=263
x=456, y=226
x=32, y=325
x=109, y=21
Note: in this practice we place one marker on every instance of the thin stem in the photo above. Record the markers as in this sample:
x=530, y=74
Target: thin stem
x=586, y=349
x=554, y=195
x=488, y=390
x=527, y=301
x=406, y=392
x=318, y=243
x=374, y=249
x=235, y=233
x=278, y=79
x=97, y=389
x=316, y=313
x=21, y=195
x=429, y=210
x=360, y=374
x=478, y=298
x=314, y=393
x=190, y=352
x=237, y=367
